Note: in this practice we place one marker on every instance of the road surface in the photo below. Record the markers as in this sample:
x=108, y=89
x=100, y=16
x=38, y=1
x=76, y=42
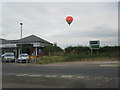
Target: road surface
x=89, y=74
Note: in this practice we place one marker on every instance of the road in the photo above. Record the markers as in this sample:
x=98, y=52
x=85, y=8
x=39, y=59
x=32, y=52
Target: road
x=61, y=75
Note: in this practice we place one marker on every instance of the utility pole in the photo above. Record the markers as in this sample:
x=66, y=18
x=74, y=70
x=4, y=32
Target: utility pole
x=21, y=41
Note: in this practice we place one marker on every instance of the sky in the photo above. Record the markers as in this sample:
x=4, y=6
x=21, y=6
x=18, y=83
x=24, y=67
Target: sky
x=91, y=21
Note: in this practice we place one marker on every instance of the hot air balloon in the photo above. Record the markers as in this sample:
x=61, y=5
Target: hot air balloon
x=69, y=19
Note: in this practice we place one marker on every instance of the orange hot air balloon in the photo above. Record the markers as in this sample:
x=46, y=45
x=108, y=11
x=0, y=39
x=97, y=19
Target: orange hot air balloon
x=69, y=19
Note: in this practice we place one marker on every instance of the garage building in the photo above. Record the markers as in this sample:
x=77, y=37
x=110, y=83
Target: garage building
x=32, y=45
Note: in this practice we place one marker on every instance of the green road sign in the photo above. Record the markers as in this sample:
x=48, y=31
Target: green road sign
x=94, y=44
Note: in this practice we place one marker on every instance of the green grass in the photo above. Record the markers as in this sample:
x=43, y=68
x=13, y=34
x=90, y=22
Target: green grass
x=50, y=59
x=73, y=57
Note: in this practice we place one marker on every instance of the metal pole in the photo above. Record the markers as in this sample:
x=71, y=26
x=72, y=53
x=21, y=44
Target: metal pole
x=21, y=40
x=97, y=51
x=36, y=55
x=91, y=51
x=36, y=51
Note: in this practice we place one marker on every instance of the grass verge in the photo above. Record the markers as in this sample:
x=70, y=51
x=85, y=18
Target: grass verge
x=76, y=57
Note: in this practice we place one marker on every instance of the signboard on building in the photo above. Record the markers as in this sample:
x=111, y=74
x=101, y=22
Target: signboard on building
x=94, y=44
x=36, y=44
x=7, y=45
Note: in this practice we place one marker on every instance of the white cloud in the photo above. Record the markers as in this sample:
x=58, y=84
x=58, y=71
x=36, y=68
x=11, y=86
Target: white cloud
x=47, y=20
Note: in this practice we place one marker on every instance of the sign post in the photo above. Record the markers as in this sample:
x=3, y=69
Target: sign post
x=94, y=45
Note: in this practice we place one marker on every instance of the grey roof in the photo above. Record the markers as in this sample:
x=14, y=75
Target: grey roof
x=4, y=41
x=29, y=39
x=14, y=41
x=33, y=38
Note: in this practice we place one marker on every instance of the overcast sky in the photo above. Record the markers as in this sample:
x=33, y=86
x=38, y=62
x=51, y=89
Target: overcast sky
x=92, y=21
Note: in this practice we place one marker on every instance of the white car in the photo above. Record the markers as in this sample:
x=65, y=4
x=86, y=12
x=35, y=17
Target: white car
x=24, y=57
x=8, y=57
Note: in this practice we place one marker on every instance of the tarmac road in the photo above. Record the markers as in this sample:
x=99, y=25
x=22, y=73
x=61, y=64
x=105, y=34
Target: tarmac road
x=88, y=74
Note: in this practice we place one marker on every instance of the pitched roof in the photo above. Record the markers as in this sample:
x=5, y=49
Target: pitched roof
x=4, y=41
x=33, y=38
x=29, y=39
x=14, y=41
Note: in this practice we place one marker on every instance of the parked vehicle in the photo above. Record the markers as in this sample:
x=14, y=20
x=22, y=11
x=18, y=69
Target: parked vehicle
x=24, y=57
x=8, y=57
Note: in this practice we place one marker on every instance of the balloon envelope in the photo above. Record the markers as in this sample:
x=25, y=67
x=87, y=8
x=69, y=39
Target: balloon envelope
x=69, y=19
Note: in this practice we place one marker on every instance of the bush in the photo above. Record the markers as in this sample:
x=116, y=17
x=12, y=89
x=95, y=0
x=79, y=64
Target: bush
x=86, y=50
x=52, y=50
x=77, y=50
